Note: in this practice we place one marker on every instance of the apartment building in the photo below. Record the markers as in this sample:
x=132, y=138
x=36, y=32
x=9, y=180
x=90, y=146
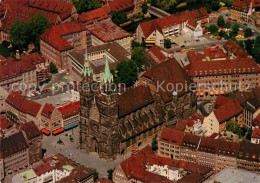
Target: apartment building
x=14, y=154
x=223, y=74
x=70, y=115
x=59, y=40
x=97, y=56
x=154, y=32
x=34, y=139
x=214, y=153
x=107, y=32
x=22, y=110
x=51, y=120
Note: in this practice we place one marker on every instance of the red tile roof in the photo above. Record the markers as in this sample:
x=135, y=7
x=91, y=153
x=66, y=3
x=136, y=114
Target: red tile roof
x=172, y=136
x=31, y=130
x=228, y=111
x=256, y=133
x=107, y=31
x=93, y=16
x=134, y=99
x=227, y=148
x=208, y=145
x=70, y=109
x=158, y=24
x=168, y=72
x=5, y=123
x=47, y=110
x=256, y=121
x=156, y=55
x=54, y=35
x=119, y=5
x=214, y=53
x=221, y=100
x=20, y=103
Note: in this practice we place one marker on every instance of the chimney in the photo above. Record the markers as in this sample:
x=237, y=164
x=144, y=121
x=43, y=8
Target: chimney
x=17, y=55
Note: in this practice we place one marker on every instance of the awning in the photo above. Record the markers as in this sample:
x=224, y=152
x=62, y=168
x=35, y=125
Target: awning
x=71, y=126
x=216, y=92
x=55, y=132
x=211, y=93
x=149, y=41
x=222, y=92
x=201, y=93
x=46, y=132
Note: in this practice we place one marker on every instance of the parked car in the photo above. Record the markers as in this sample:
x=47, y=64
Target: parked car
x=35, y=94
x=178, y=51
x=44, y=91
x=235, y=20
x=229, y=18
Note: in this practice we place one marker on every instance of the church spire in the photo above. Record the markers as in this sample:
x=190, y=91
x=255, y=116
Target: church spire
x=87, y=70
x=108, y=76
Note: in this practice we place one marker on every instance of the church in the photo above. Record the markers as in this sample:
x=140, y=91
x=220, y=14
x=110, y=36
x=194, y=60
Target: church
x=114, y=123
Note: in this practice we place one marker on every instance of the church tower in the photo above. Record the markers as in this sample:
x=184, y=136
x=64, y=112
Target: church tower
x=87, y=95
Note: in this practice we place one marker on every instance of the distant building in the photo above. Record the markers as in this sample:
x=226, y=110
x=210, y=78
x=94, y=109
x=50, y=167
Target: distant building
x=107, y=32
x=145, y=166
x=70, y=115
x=97, y=56
x=7, y=127
x=255, y=139
x=51, y=120
x=232, y=175
x=14, y=154
x=156, y=55
x=94, y=16
x=3, y=96
x=58, y=169
x=154, y=32
x=59, y=40
x=34, y=139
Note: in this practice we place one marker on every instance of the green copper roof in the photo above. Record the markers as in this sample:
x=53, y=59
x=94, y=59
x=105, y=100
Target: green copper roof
x=67, y=167
x=108, y=76
x=87, y=70
x=27, y=175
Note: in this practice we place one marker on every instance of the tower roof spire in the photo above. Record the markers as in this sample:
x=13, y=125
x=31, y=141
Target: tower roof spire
x=87, y=70
x=108, y=76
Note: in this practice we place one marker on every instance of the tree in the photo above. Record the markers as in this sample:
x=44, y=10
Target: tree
x=235, y=28
x=37, y=25
x=228, y=25
x=168, y=5
x=139, y=57
x=249, y=134
x=95, y=175
x=86, y=5
x=119, y=17
x=144, y=7
x=248, y=32
x=167, y=43
x=53, y=68
x=154, y=144
x=213, y=29
x=221, y=21
x=153, y=2
x=222, y=33
x=228, y=3
x=249, y=45
x=19, y=34
x=242, y=44
x=126, y=72
x=256, y=53
x=110, y=173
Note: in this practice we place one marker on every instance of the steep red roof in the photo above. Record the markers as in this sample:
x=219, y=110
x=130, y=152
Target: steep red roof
x=256, y=133
x=227, y=111
x=93, y=16
x=155, y=54
x=31, y=130
x=20, y=103
x=221, y=100
x=5, y=123
x=107, y=31
x=134, y=99
x=214, y=53
x=70, y=109
x=119, y=5
x=47, y=110
x=168, y=72
x=227, y=148
x=172, y=136
x=54, y=35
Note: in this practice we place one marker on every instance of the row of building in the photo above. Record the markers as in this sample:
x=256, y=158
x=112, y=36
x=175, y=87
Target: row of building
x=207, y=151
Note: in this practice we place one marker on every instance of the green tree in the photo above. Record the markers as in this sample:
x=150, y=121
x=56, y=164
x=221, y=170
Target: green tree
x=222, y=33
x=256, y=53
x=154, y=144
x=153, y=2
x=249, y=134
x=213, y=29
x=248, y=32
x=110, y=173
x=95, y=175
x=37, y=25
x=53, y=68
x=235, y=28
x=228, y=25
x=86, y=5
x=119, y=17
x=242, y=44
x=249, y=44
x=221, y=21
x=144, y=7
x=168, y=5
x=139, y=57
x=126, y=72
x=19, y=34
x=167, y=43
x=228, y=3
